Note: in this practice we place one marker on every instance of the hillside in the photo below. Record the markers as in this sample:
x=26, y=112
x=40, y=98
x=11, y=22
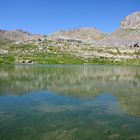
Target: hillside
x=18, y=36
x=83, y=34
x=15, y=35
x=127, y=34
x=76, y=46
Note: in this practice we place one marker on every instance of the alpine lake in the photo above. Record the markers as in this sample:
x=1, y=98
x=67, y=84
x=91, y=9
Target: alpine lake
x=69, y=102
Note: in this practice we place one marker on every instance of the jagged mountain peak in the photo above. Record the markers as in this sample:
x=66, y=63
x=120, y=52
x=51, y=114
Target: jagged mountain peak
x=131, y=21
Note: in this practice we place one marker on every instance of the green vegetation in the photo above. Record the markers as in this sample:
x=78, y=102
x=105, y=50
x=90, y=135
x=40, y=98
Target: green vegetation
x=7, y=59
x=135, y=61
x=57, y=59
x=49, y=53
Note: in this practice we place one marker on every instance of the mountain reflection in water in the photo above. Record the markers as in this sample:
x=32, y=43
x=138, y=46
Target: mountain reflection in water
x=69, y=102
x=121, y=82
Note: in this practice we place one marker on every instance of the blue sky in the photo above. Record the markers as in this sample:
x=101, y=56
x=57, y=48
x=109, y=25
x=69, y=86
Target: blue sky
x=47, y=16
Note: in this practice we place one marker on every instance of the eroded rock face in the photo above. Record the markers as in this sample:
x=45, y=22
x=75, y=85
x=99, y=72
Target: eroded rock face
x=131, y=21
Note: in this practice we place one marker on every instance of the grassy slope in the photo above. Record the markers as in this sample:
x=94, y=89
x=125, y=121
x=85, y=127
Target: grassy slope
x=53, y=55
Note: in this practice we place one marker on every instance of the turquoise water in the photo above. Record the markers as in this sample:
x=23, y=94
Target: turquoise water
x=69, y=102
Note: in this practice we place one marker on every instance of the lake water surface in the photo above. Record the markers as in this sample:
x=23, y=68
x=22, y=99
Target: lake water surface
x=69, y=102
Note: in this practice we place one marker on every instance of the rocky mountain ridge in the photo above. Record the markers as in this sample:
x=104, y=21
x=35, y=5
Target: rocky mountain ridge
x=121, y=38
x=18, y=36
x=131, y=21
x=83, y=34
x=127, y=34
x=76, y=46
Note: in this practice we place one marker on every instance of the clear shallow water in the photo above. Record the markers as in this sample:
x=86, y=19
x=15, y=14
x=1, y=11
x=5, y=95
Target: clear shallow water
x=61, y=102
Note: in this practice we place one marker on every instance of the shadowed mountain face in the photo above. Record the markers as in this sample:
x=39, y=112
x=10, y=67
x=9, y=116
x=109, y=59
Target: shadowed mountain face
x=82, y=81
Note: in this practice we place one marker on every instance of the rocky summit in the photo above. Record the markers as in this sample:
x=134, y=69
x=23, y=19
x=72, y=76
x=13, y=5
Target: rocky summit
x=127, y=35
x=132, y=21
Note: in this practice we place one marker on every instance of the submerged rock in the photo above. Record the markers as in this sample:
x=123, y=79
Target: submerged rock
x=112, y=136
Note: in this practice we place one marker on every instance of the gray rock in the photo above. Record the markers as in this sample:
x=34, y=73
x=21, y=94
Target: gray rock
x=132, y=21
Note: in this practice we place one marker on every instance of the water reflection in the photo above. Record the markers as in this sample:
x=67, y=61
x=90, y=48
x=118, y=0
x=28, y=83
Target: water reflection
x=67, y=102
x=121, y=82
